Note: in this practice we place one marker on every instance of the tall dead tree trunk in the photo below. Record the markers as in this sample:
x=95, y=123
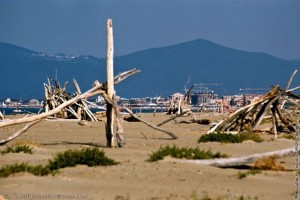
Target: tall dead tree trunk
x=110, y=137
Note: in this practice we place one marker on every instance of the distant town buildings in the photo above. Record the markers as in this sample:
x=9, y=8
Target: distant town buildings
x=32, y=103
x=205, y=101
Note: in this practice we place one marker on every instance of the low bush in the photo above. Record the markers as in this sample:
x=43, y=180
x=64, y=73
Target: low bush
x=187, y=153
x=70, y=158
x=38, y=170
x=18, y=149
x=229, y=138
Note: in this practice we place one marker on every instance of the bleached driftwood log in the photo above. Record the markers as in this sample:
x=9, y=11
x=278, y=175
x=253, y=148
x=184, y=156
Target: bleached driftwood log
x=240, y=161
x=151, y=125
x=171, y=118
x=24, y=129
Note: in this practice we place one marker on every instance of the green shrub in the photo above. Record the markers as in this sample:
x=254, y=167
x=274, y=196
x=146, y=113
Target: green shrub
x=70, y=158
x=11, y=169
x=38, y=170
x=229, y=138
x=18, y=149
x=187, y=153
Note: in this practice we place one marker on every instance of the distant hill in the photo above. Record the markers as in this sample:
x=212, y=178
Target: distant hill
x=163, y=70
x=297, y=61
x=23, y=71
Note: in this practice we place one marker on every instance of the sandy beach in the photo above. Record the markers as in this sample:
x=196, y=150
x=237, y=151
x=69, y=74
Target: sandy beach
x=134, y=177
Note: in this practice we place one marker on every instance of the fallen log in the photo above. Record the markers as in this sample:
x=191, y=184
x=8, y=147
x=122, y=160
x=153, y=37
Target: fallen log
x=13, y=136
x=239, y=161
x=171, y=118
x=150, y=125
x=196, y=121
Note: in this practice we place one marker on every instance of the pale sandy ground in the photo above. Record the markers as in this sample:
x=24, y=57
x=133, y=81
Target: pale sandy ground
x=134, y=178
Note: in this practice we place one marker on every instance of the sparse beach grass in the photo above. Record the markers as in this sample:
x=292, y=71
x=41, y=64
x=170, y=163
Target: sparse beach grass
x=183, y=152
x=229, y=138
x=17, y=149
x=69, y=158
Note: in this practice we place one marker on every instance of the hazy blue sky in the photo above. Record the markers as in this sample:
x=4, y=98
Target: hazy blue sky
x=79, y=26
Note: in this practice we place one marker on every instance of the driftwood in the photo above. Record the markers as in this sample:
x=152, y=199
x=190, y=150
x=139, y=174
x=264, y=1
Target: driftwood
x=87, y=94
x=197, y=121
x=55, y=95
x=110, y=136
x=172, y=118
x=240, y=161
x=119, y=132
x=19, y=132
x=82, y=108
x=129, y=118
x=96, y=90
x=151, y=125
x=250, y=116
x=180, y=104
x=1, y=116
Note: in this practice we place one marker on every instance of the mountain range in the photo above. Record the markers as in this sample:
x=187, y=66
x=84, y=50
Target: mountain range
x=164, y=70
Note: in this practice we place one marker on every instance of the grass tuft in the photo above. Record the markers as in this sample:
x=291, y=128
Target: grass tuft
x=70, y=158
x=18, y=149
x=229, y=138
x=184, y=152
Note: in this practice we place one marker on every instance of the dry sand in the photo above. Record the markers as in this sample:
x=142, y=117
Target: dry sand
x=134, y=178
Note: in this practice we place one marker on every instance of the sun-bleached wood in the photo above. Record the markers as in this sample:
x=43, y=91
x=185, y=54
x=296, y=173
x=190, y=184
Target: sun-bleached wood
x=240, y=161
x=151, y=125
x=18, y=133
x=110, y=136
x=251, y=116
x=98, y=88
